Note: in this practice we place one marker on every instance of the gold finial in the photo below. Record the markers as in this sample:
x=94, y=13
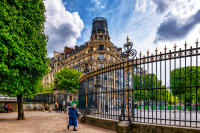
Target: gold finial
x=156, y=50
x=175, y=47
x=197, y=42
x=185, y=44
x=127, y=39
x=165, y=48
x=147, y=52
x=140, y=53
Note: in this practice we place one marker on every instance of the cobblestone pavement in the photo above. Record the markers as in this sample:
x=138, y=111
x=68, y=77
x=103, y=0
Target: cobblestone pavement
x=43, y=122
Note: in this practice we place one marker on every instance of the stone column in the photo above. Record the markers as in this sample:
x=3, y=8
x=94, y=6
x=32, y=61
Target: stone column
x=123, y=127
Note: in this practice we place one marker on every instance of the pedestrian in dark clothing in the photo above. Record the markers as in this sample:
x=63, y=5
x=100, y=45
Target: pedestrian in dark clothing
x=6, y=108
x=73, y=114
x=60, y=108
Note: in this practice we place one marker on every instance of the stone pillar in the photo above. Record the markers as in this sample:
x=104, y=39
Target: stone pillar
x=123, y=127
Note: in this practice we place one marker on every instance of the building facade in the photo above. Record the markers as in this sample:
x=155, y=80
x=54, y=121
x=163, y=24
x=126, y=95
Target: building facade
x=94, y=54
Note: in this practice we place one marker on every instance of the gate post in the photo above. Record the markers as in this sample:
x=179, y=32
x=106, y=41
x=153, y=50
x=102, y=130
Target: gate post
x=124, y=126
x=86, y=103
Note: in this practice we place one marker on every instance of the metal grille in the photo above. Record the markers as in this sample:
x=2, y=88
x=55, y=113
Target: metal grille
x=161, y=89
x=47, y=98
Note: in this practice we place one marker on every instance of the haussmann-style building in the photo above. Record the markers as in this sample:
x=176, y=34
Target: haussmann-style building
x=94, y=54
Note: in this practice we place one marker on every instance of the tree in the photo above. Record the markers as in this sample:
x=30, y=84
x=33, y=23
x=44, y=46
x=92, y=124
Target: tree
x=23, y=60
x=67, y=79
x=46, y=89
x=149, y=87
x=184, y=83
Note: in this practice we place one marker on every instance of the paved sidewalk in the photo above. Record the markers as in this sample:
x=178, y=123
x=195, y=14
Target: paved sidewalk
x=43, y=122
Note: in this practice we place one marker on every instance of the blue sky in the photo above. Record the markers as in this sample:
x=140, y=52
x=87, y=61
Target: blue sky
x=148, y=23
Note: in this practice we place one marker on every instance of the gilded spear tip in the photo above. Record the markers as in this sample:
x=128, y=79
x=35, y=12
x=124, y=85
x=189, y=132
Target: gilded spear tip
x=127, y=39
x=156, y=50
x=140, y=53
x=147, y=52
x=165, y=48
x=175, y=46
x=185, y=44
x=197, y=42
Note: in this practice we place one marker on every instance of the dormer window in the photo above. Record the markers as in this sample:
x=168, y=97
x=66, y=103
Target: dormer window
x=100, y=37
x=101, y=47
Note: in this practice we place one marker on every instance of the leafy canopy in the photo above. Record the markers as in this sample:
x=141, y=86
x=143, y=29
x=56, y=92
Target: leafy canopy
x=23, y=60
x=185, y=82
x=149, y=87
x=67, y=79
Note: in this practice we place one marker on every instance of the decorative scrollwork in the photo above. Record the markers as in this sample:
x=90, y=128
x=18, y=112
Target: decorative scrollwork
x=129, y=52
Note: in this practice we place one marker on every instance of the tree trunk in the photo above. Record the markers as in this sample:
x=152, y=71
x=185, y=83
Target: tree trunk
x=20, y=108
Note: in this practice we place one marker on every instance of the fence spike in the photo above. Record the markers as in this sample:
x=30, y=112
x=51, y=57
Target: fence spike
x=156, y=50
x=185, y=44
x=140, y=53
x=165, y=48
x=147, y=52
x=197, y=42
x=175, y=47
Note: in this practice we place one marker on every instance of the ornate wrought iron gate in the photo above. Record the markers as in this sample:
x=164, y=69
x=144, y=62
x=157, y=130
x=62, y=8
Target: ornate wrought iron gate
x=162, y=88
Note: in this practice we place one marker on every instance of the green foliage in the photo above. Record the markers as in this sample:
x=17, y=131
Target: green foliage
x=148, y=87
x=67, y=79
x=184, y=81
x=46, y=89
x=23, y=60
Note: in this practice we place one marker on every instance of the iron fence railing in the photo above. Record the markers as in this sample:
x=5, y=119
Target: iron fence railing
x=44, y=98
x=163, y=88
x=7, y=98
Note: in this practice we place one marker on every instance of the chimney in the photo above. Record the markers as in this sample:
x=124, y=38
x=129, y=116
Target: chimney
x=67, y=50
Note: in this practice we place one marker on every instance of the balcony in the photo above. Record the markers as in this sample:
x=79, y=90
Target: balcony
x=101, y=58
x=90, y=59
x=91, y=50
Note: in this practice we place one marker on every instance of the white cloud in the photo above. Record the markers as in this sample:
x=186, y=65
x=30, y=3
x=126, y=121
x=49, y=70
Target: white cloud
x=179, y=9
x=143, y=5
x=99, y=4
x=62, y=27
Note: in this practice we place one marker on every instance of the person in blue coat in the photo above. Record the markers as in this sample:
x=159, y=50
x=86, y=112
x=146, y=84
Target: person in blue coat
x=73, y=115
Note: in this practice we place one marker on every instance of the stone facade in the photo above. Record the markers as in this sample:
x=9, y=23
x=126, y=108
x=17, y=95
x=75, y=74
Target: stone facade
x=98, y=52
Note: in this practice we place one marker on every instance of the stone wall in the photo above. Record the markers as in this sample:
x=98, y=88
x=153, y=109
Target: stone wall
x=152, y=128
x=27, y=106
x=136, y=127
x=101, y=122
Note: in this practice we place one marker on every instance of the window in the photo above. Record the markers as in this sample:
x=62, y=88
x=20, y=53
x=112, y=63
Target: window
x=111, y=58
x=101, y=65
x=78, y=69
x=101, y=56
x=101, y=47
x=100, y=37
